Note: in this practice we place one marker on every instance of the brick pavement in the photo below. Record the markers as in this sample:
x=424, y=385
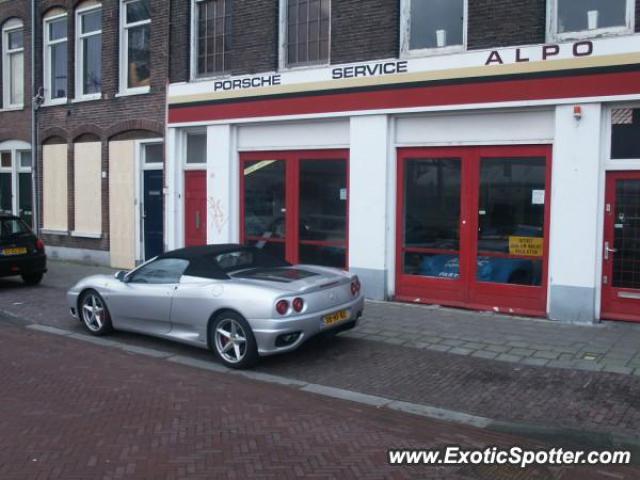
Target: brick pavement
x=609, y=346
x=72, y=410
x=568, y=399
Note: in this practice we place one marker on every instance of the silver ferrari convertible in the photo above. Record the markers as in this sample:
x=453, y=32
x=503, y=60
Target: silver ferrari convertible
x=235, y=300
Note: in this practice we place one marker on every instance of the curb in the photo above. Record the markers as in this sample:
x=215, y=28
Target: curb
x=542, y=433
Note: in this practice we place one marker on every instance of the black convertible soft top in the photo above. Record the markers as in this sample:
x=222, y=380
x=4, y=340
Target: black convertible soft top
x=203, y=263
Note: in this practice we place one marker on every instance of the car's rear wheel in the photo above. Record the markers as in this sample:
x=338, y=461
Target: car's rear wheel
x=94, y=313
x=233, y=341
x=32, y=278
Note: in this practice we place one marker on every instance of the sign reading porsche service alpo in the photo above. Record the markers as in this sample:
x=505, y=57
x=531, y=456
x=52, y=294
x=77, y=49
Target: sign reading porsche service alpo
x=594, y=56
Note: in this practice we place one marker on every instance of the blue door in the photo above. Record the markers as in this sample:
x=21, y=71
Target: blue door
x=153, y=214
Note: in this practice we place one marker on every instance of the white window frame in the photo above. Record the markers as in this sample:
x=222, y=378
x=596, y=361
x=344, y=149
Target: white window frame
x=15, y=148
x=193, y=166
x=140, y=167
x=10, y=27
x=284, y=37
x=405, y=34
x=194, y=48
x=554, y=35
x=47, y=59
x=124, y=53
x=79, y=63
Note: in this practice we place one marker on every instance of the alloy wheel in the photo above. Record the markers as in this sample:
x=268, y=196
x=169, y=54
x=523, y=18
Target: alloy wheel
x=93, y=312
x=231, y=340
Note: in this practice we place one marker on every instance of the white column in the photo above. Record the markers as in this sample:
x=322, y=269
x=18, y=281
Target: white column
x=222, y=185
x=368, y=220
x=173, y=192
x=575, y=206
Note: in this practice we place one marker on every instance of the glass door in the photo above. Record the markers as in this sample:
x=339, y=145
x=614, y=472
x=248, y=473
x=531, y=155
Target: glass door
x=294, y=205
x=323, y=212
x=621, y=250
x=264, y=207
x=511, y=242
x=472, y=227
x=431, y=258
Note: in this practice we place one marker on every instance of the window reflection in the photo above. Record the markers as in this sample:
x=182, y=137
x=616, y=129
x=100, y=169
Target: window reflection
x=511, y=220
x=264, y=184
x=436, y=23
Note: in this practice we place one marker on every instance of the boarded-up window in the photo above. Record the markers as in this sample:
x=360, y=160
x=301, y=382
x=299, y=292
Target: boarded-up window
x=54, y=198
x=88, y=189
x=122, y=226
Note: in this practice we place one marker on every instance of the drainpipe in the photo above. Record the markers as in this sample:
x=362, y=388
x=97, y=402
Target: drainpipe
x=35, y=105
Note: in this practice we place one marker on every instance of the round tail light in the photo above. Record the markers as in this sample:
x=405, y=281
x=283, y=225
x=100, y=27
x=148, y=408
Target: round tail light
x=355, y=287
x=39, y=245
x=282, y=307
x=298, y=304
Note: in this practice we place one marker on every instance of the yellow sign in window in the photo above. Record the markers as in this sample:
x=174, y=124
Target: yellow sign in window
x=526, y=246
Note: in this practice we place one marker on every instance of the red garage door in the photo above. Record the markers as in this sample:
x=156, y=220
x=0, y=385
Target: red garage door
x=473, y=227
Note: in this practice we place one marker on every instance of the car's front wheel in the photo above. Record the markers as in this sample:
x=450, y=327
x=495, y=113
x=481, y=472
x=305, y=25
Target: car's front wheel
x=94, y=313
x=233, y=341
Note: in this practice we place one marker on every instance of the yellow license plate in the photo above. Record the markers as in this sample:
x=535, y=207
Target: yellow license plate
x=336, y=317
x=14, y=251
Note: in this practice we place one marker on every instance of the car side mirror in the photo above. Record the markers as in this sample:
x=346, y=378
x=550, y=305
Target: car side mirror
x=122, y=276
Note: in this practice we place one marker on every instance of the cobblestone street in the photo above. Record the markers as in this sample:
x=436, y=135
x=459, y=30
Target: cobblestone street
x=77, y=410
x=595, y=402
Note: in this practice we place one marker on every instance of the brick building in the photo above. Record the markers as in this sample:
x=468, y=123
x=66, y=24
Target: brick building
x=15, y=108
x=473, y=153
x=102, y=69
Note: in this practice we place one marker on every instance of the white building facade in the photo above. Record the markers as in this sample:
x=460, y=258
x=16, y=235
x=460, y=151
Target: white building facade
x=504, y=180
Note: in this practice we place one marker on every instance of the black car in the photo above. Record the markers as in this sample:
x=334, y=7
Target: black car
x=21, y=252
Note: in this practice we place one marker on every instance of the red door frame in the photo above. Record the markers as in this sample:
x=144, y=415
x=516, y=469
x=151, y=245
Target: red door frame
x=191, y=176
x=465, y=291
x=292, y=161
x=613, y=307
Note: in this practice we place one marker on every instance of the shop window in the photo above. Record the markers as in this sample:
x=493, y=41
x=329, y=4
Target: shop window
x=89, y=51
x=212, y=37
x=13, y=64
x=135, y=46
x=511, y=220
x=306, y=26
x=196, y=148
x=582, y=18
x=433, y=26
x=625, y=133
x=55, y=57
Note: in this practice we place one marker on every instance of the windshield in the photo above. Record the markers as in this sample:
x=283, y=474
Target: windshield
x=13, y=227
x=247, y=258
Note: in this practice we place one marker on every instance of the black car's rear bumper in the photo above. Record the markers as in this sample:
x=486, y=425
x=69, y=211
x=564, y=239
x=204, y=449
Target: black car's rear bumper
x=23, y=265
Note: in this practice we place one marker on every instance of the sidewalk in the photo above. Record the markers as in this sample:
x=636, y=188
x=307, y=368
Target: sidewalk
x=608, y=346
x=399, y=353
